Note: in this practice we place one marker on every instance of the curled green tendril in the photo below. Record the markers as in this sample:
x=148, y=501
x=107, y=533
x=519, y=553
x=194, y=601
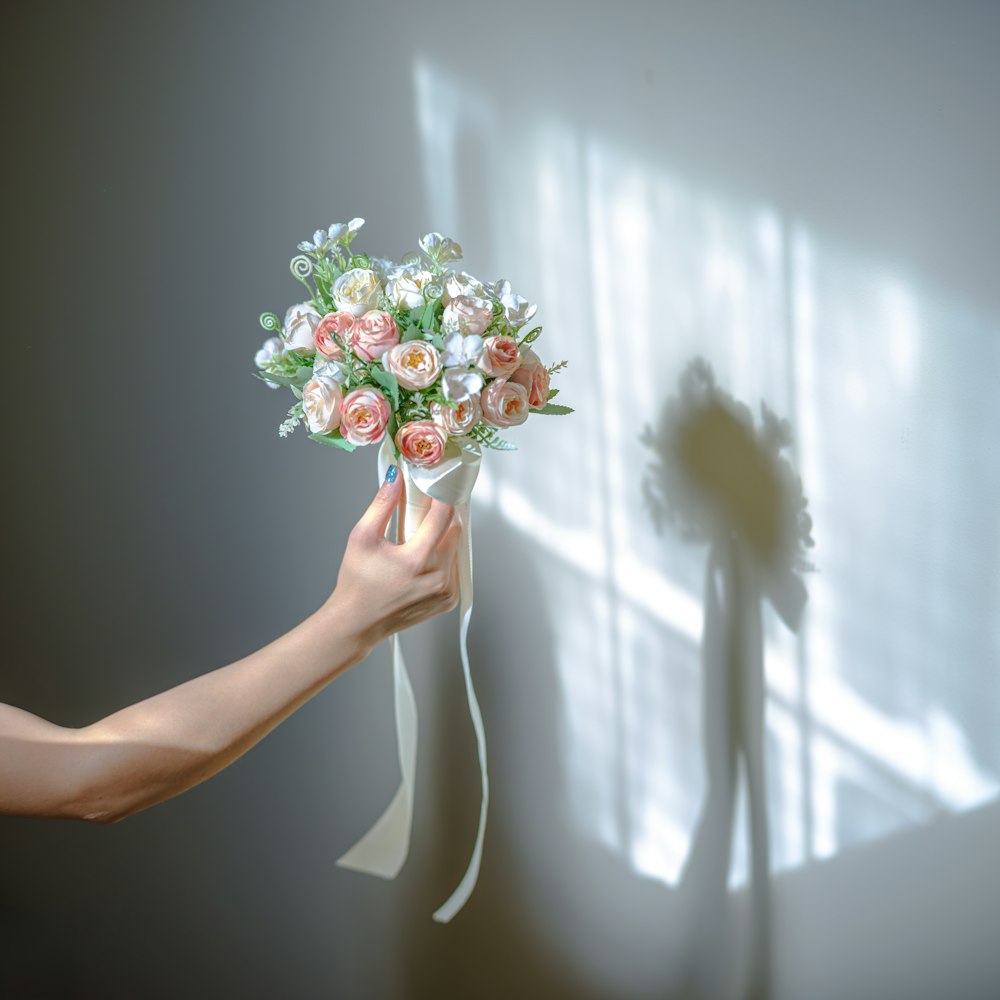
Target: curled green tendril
x=269, y=321
x=301, y=267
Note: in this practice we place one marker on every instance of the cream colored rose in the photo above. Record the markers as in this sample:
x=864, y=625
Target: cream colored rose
x=321, y=402
x=300, y=325
x=505, y=404
x=467, y=314
x=416, y=364
x=459, y=419
x=356, y=291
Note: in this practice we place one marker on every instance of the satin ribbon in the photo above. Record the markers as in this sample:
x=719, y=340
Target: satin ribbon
x=383, y=849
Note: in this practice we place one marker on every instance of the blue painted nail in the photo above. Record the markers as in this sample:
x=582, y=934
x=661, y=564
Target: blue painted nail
x=391, y=473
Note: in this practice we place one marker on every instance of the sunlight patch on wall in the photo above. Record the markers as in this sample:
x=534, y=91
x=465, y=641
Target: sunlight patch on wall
x=881, y=713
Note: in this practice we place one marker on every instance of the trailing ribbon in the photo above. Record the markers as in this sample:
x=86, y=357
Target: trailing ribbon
x=383, y=849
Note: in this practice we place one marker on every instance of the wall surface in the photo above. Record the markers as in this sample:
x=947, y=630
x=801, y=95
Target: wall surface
x=803, y=196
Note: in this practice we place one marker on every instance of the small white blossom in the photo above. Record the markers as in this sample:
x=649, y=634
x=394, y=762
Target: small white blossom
x=461, y=350
x=330, y=369
x=337, y=233
x=341, y=232
x=383, y=267
x=270, y=351
x=458, y=384
x=517, y=309
x=440, y=248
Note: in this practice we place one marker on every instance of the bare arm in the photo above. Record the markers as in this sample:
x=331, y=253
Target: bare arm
x=159, y=747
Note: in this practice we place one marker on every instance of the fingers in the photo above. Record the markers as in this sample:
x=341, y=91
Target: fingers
x=449, y=543
x=376, y=518
x=434, y=527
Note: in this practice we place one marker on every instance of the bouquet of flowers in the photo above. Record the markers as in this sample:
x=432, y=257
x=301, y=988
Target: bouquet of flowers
x=432, y=363
x=413, y=350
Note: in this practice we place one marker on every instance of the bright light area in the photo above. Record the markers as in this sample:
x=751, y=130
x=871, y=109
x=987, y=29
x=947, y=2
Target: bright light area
x=883, y=710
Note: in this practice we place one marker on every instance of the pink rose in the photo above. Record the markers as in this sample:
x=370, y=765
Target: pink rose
x=339, y=324
x=364, y=415
x=467, y=314
x=534, y=376
x=505, y=404
x=459, y=419
x=416, y=364
x=421, y=442
x=373, y=334
x=321, y=401
x=500, y=356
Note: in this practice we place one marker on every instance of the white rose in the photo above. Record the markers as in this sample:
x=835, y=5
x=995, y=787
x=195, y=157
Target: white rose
x=270, y=350
x=300, y=322
x=468, y=315
x=321, y=400
x=461, y=283
x=406, y=286
x=356, y=291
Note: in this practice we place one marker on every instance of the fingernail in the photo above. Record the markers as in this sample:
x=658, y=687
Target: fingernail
x=391, y=473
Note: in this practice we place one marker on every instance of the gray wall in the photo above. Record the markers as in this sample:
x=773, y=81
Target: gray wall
x=802, y=194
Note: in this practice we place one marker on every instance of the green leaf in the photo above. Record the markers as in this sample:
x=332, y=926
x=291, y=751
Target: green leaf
x=334, y=440
x=438, y=341
x=388, y=382
x=427, y=319
x=276, y=379
x=412, y=332
x=500, y=444
x=530, y=337
x=552, y=394
x=554, y=409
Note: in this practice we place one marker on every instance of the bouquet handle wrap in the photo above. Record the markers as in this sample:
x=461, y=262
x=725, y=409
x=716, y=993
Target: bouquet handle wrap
x=383, y=849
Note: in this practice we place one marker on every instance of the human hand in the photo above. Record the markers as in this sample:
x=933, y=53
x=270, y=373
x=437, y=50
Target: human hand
x=383, y=587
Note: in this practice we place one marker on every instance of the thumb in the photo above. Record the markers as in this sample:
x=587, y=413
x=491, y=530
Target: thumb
x=376, y=518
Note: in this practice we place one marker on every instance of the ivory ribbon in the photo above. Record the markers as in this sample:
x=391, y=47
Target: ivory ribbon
x=383, y=849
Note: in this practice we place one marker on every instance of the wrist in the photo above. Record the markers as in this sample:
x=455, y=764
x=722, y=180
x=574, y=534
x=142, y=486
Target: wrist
x=339, y=614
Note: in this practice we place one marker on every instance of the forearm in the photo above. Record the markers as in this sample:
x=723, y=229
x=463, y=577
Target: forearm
x=150, y=751
x=157, y=748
